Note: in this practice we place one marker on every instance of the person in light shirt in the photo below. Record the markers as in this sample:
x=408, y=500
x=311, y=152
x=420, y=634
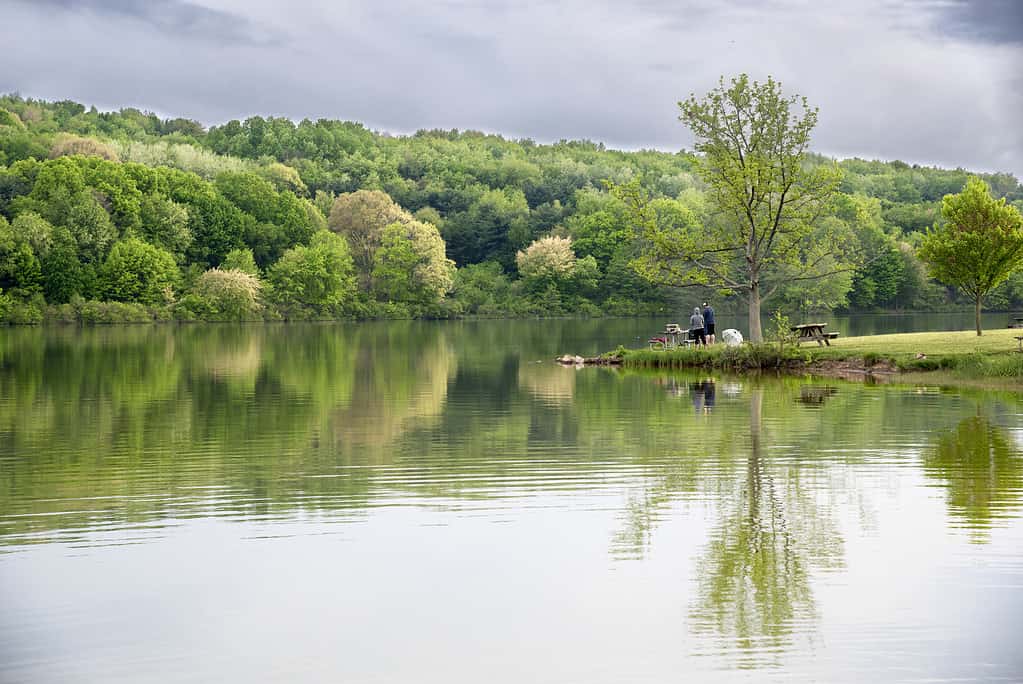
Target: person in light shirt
x=696, y=327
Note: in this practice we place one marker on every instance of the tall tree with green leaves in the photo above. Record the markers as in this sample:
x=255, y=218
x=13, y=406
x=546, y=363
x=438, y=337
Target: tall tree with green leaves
x=317, y=280
x=136, y=271
x=979, y=245
x=764, y=199
x=411, y=265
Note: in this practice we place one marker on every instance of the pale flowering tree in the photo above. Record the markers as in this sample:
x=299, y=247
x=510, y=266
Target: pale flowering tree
x=229, y=294
x=68, y=144
x=550, y=263
x=549, y=259
x=361, y=217
x=284, y=178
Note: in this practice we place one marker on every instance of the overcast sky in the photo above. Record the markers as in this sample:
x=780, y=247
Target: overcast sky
x=933, y=81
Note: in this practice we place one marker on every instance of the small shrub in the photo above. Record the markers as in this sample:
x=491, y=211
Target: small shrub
x=588, y=310
x=781, y=330
x=101, y=313
x=14, y=311
x=61, y=313
x=384, y=310
x=189, y=308
x=1007, y=366
x=226, y=295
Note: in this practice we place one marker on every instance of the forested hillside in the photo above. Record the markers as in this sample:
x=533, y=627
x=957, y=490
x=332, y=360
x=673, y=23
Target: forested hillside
x=108, y=216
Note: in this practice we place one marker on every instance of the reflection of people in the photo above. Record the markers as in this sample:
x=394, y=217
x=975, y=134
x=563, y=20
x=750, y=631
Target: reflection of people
x=708, y=395
x=708, y=322
x=703, y=395
x=696, y=331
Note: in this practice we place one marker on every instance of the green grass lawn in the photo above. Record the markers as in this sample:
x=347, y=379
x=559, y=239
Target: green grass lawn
x=998, y=341
x=957, y=355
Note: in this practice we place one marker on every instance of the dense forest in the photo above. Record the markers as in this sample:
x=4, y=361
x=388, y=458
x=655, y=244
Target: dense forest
x=123, y=216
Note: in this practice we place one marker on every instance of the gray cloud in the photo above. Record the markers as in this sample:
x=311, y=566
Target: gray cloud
x=995, y=21
x=934, y=82
x=170, y=17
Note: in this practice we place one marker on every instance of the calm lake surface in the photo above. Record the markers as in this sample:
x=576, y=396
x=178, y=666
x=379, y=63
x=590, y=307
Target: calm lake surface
x=438, y=502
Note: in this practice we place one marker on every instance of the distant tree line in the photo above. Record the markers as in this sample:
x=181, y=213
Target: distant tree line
x=108, y=216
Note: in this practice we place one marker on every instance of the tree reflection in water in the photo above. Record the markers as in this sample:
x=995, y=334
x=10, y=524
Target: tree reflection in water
x=126, y=428
x=982, y=472
x=775, y=526
x=752, y=580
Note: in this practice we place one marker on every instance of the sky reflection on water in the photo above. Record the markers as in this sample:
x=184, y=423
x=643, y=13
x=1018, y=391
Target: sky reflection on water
x=435, y=502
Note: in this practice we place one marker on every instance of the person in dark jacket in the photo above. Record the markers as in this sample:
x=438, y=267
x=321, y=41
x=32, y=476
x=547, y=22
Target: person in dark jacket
x=708, y=322
x=696, y=327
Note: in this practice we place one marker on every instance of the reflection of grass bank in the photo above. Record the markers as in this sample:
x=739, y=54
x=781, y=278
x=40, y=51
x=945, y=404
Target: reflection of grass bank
x=958, y=355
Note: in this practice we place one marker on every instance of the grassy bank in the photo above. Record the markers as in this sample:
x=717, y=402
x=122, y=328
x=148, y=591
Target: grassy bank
x=991, y=355
x=955, y=354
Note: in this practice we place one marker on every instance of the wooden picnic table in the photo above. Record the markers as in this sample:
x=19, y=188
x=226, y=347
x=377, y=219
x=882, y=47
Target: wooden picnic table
x=672, y=337
x=813, y=332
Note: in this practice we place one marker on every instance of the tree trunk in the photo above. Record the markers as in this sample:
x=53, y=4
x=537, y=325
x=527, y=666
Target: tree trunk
x=976, y=312
x=755, y=331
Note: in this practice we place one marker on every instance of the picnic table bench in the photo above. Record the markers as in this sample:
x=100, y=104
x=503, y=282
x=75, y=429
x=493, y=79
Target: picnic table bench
x=1017, y=322
x=1019, y=341
x=813, y=332
x=673, y=337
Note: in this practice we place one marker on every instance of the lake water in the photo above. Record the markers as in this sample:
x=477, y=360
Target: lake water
x=438, y=502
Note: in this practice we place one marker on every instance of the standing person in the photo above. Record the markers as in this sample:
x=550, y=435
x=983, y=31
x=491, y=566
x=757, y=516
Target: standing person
x=708, y=321
x=696, y=327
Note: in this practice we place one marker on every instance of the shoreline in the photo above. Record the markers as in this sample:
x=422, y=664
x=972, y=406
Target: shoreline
x=953, y=357
x=93, y=312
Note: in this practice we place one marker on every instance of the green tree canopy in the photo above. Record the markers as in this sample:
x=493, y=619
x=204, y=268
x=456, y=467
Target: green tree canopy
x=89, y=224
x=35, y=230
x=314, y=280
x=493, y=227
x=240, y=260
x=19, y=267
x=136, y=271
x=411, y=265
x=979, y=245
x=754, y=141
x=165, y=224
x=281, y=219
x=63, y=273
x=268, y=184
